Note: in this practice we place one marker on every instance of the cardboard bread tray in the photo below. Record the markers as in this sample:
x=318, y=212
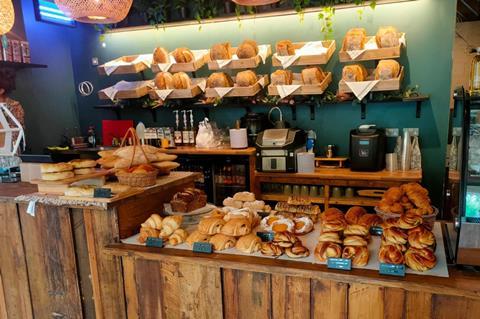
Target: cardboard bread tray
x=249, y=63
x=131, y=68
x=314, y=59
x=382, y=85
x=200, y=59
x=238, y=91
x=128, y=90
x=373, y=54
x=193, y=91
x=304, y=89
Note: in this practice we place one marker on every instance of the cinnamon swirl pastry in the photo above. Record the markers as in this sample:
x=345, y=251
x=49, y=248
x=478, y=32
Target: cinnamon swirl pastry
x=354, y=214
x=333, y=237
x=402, y=248
x=420, y=259
x=297, y=251
x=355, y=241
x=369, y=220
x=419, y=237
x=409, y=221
x=390, y=254
x=391, y=222
x=271, y=249
x=358, y=254
x=394, y=235
x=356, y=230
x=325, y=250
x=285, y=239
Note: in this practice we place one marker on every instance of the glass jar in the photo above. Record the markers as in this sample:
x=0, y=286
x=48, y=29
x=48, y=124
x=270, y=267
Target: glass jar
x=475, y=73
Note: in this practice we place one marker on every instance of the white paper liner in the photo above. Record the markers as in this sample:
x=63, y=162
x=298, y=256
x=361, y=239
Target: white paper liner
x=263, y=52
x=311, y=240
x=112, y=66
x=261, y=81
x=286, y=90
x=286, y=60
x=112, y=91
x=202, y=85
x=361, y=89
x=223, y=91
x=164, y=67
x=163, y=94
x=310, y=48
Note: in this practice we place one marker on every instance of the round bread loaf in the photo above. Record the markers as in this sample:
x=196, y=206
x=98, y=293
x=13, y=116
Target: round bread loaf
x=84, y=171
x=220, y=51
x=57, y=176
x=83, y=163
x=80, y=191
x=181, y=81
x=281, y=77
x=219, y=79
x=246, y=78
x=160, y=55
x=183, y=55
x=55, y=168
x=285, y=48
x=247, y=49
x=312, y=75
x=164, y=81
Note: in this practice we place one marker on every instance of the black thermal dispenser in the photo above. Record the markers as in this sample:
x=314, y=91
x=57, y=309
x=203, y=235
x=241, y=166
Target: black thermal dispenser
x=367, y=148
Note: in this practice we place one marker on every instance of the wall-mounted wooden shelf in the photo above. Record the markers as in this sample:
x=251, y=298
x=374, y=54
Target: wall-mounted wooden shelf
x=19, y=65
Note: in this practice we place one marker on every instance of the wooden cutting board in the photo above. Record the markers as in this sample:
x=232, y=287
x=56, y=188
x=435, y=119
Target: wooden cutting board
x=371, y=192
x=59, y=187
x=116, y=197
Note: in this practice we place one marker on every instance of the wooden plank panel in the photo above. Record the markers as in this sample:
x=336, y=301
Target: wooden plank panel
x=250, y=293
x=3, y=304
x=131, y=295
x=443, y=306
x=329, y=299
x=418, y=305
x=365, y=301
x=50, y=256
x=394, y=301
x=290, y=297
x=473, y=309
x=149, y=289
x=101, y=229
x=13, y=266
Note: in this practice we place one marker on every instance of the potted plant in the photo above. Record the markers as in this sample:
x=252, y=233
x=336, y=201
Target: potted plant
x=182, y=7
x=154, y=12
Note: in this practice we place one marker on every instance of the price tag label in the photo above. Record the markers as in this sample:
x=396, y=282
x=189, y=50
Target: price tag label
x=339, y=263
x=376, y=231
x=265, y=236
x=200, y=247
x=154, y=242
x=392, y=270
x=102, y=193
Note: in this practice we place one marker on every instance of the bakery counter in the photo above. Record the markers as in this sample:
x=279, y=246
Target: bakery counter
x=190, y=150
x=251, y=287
x=9, y=191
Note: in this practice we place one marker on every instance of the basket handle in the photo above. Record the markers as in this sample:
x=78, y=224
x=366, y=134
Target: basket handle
x=136, y=143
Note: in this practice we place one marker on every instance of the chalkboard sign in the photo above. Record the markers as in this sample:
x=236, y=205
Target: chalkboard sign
x=392, y=270
x=201, y=247
x=339, y=263
x=154, y=242
x=376, y=231
x=102, y=193
x=265, y=236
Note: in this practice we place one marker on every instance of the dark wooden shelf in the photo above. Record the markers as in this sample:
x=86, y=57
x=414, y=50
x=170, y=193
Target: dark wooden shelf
x=19, y=65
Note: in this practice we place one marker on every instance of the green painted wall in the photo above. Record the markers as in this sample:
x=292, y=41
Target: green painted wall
x=429, y=25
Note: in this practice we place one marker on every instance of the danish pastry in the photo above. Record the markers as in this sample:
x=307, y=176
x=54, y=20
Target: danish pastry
x=268, y=221
x=391, y=222
x=222, y=242
x=394, y=235
x=358, y=254
x=197, y=237
x=297, y=251
x=353, y=214
x=359, y=230
x=249, y=243
x=355, y=241
x=325, y=250
x=178, y=237
x=283, y=225
x=303, y=225
x=285, y=239
x=236, y=227
x=211, y=226
x=420, y=237
x=390, y=254
x=409, y=220
x=333, y=237
x=271, y=249
x=146, y=232
x=420, y=259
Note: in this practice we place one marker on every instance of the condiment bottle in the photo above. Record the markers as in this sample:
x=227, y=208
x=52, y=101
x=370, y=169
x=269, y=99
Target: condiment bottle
x=177, y=134
x=185, y=133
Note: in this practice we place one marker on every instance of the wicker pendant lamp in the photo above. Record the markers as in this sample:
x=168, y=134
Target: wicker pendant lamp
x=7, y=16
x=95, y=11
x=254, y=2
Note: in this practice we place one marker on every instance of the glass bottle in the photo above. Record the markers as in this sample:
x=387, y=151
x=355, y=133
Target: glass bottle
x=475, y=73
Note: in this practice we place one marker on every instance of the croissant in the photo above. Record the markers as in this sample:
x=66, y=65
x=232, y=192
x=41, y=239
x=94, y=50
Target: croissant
x=356, y=230
x=271, y=249
x=303, y=225
x=220, y=51
x=369, y=220
x=420, y=259
x=178, y=237
x=333, y=237
x=170, y=224
x=393, y=194
x=146, y=232
x=222, y=242
x=358, y=254
x=354, y=214
x=325, y=250
x=285, y=239
x=211, y=226
x=297, y=251
x=409, y=220
x=394, y=235
x=197, y=237
x=420, y=237
x=390, y=254
x=355, y=241
x=236, y=227
x=249, y=243
x=154, y=221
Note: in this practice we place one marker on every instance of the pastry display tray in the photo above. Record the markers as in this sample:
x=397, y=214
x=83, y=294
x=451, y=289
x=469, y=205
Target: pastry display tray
x=310, y=241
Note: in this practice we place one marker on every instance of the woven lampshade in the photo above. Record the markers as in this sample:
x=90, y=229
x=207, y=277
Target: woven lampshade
x=7, y=16
x=254, y=2
x=95, y=11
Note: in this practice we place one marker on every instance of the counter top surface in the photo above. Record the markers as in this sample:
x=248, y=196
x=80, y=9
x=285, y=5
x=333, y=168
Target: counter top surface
x=190, y=150
x=12, y=190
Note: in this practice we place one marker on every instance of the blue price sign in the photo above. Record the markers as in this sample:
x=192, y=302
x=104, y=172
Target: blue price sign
x=265, y=236
x=102, y=193
x=154, y=242
x=376, y=231
x=200, y=247
x=339, y=263
x=392, y=270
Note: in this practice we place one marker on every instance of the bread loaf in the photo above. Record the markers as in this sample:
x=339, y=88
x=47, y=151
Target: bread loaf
x=220, y=51
x=164, y=81
x=247, y=49
x=354, y=73
x=387, y=37
x=281, y=77
x=312, y=75
x=246, y=78
x=387, y=70
x=285, y=48
x=183, y=55
x=55, y=168
x=84, y=171
x=219, y=79
x=57, y=176
x=188, y=200
x=160, y=55
x=181, y=81
x=80, y=191
x=355, y=39
x=82, y=163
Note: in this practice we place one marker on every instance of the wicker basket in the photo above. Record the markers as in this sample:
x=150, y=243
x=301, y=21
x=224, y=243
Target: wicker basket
x=138, y=179
x=427, y=219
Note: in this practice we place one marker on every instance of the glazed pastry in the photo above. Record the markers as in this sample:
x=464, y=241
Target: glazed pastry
x=333, y=225
x=299, y=200
x=390, y=254
x=146, y=232
x=216, y=213
x=246, y=78
x=354, y=214
x=249, y=243
x=355, y=241
x=268, y=221
x=285, y=239
x=211, y=226
x=390, y=207
x=395, y=235
x=256, y=205
x=285, y=48
x=241, y=213
x=283, y=225
x=178, y=237
x=420, y=259
x=356, y=230
x=387, y=70
x=281, y=77
x=387, y=37
x=333, y=237
x=409, y=221
x=271, y=249
x=393, y=194
x=236, y=227
x=406, y=203
x=354, y=73
x=325, y=250
x=244, y=196
x=170, y=224
x=222, y=242
x=418, y=196
x=219, y=79
x=247, y=49
x=391, y=222
x=297, y=251
x=303, y=225
x=402, y=248
x=230, y=202
x=197, y=237
x=419, y=237
x=298, y=209
x=312, y=76
x=160, y=55
x=154, y=221
x=332, y=213
x=355, y=39
x=164, y=81
x=220, y=51
x=369, y=220
x=181, y=81
x=358, y=254
x=183, y=55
